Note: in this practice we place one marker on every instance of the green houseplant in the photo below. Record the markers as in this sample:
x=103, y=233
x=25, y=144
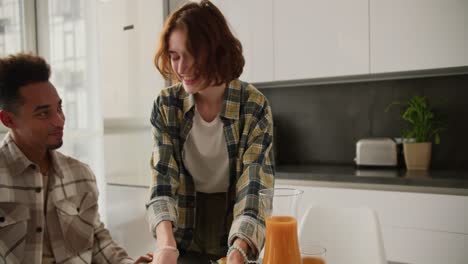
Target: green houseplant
x=424, y=126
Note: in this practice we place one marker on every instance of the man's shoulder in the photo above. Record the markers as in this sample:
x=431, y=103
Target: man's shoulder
x=5, y=159
x=71, y=166
x=3, y=155
x=75, y=176
x=4, y=167
x=69, y=160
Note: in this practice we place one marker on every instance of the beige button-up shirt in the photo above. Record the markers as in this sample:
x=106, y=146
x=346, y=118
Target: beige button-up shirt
x=73, y=224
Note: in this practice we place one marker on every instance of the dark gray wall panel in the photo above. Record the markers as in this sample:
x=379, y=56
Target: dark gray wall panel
x=321, y=123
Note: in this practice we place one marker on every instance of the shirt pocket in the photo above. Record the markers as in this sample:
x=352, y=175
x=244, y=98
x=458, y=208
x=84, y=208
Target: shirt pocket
x=13, y=229
x=77, y=216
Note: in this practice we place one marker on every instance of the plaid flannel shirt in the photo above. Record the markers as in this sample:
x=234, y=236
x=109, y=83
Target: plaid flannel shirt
x=72, y=220
x=248, y=129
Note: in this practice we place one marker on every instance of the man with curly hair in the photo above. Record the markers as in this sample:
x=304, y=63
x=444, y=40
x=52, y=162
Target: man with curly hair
x=48, y=201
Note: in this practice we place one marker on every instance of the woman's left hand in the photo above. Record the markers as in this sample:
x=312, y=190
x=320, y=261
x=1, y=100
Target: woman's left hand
x=235, y=257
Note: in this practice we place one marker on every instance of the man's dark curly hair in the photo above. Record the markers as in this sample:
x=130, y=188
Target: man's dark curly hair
x=17, y=71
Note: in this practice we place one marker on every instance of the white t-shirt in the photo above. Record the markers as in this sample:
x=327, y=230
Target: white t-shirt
x=205, y=155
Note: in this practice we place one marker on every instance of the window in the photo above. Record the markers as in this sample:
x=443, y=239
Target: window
x=68, y=48
x=17, y=30
x=67, y=40
x=11, y=27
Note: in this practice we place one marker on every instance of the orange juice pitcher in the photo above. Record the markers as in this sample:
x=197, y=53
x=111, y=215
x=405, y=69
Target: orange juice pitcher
x=280, y=208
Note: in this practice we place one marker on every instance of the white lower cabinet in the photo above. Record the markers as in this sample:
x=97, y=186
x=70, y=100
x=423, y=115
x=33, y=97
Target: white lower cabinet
x=418, y=228
x=130, y=167
x=413, y=245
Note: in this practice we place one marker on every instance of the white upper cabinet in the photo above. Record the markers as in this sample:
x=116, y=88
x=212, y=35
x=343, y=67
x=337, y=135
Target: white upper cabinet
x=418, y=34
x=320, y=38
x=251, y=23
x=307, y=39
x=128, y=35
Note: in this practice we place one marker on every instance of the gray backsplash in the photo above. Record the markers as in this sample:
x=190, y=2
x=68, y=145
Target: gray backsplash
x=322, y=123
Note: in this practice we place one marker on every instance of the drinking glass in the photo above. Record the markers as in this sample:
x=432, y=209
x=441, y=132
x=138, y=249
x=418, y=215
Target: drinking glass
x=313, y=254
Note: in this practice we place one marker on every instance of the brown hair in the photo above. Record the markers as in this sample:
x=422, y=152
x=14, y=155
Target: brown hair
x=16, y=71
x=217, y=53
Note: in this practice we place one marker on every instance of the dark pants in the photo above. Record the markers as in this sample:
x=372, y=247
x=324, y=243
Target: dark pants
x=209, y=228
x=196, y=258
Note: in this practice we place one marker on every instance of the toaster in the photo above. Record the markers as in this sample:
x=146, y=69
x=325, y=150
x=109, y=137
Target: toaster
x=376, y=152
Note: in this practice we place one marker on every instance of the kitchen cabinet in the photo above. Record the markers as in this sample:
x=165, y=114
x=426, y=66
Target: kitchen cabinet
x=315, y=38
x=251, y=23
x=418, y=34
x=301, y=39
x=129, y=167
x=417, y=227
x=128, y=34
x=128, y=37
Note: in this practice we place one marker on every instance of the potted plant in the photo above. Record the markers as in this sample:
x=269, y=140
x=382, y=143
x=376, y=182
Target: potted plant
x=424, y=126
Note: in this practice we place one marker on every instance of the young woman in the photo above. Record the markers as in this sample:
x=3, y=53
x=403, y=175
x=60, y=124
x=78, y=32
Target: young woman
x=213, y=145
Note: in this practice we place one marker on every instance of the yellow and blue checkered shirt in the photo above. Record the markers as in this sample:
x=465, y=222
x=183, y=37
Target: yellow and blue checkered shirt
x=248, y=130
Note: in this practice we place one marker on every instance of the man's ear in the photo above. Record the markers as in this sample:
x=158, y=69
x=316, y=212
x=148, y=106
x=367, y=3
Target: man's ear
x=7, y=118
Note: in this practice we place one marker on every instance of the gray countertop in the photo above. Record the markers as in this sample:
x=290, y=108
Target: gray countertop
x=349, y=174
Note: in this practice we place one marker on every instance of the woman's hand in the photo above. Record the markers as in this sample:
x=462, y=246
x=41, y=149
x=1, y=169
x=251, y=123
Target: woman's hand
x=165, y=257
x=235, y=257
x=166, y=252
x=144, y=259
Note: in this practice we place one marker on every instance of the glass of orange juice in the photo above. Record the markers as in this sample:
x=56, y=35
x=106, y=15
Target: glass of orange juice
x=279, y=209
x=313, y=254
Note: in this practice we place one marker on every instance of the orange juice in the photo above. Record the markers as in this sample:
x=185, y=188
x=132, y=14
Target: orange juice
x=282, y=246
x=313, y=260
